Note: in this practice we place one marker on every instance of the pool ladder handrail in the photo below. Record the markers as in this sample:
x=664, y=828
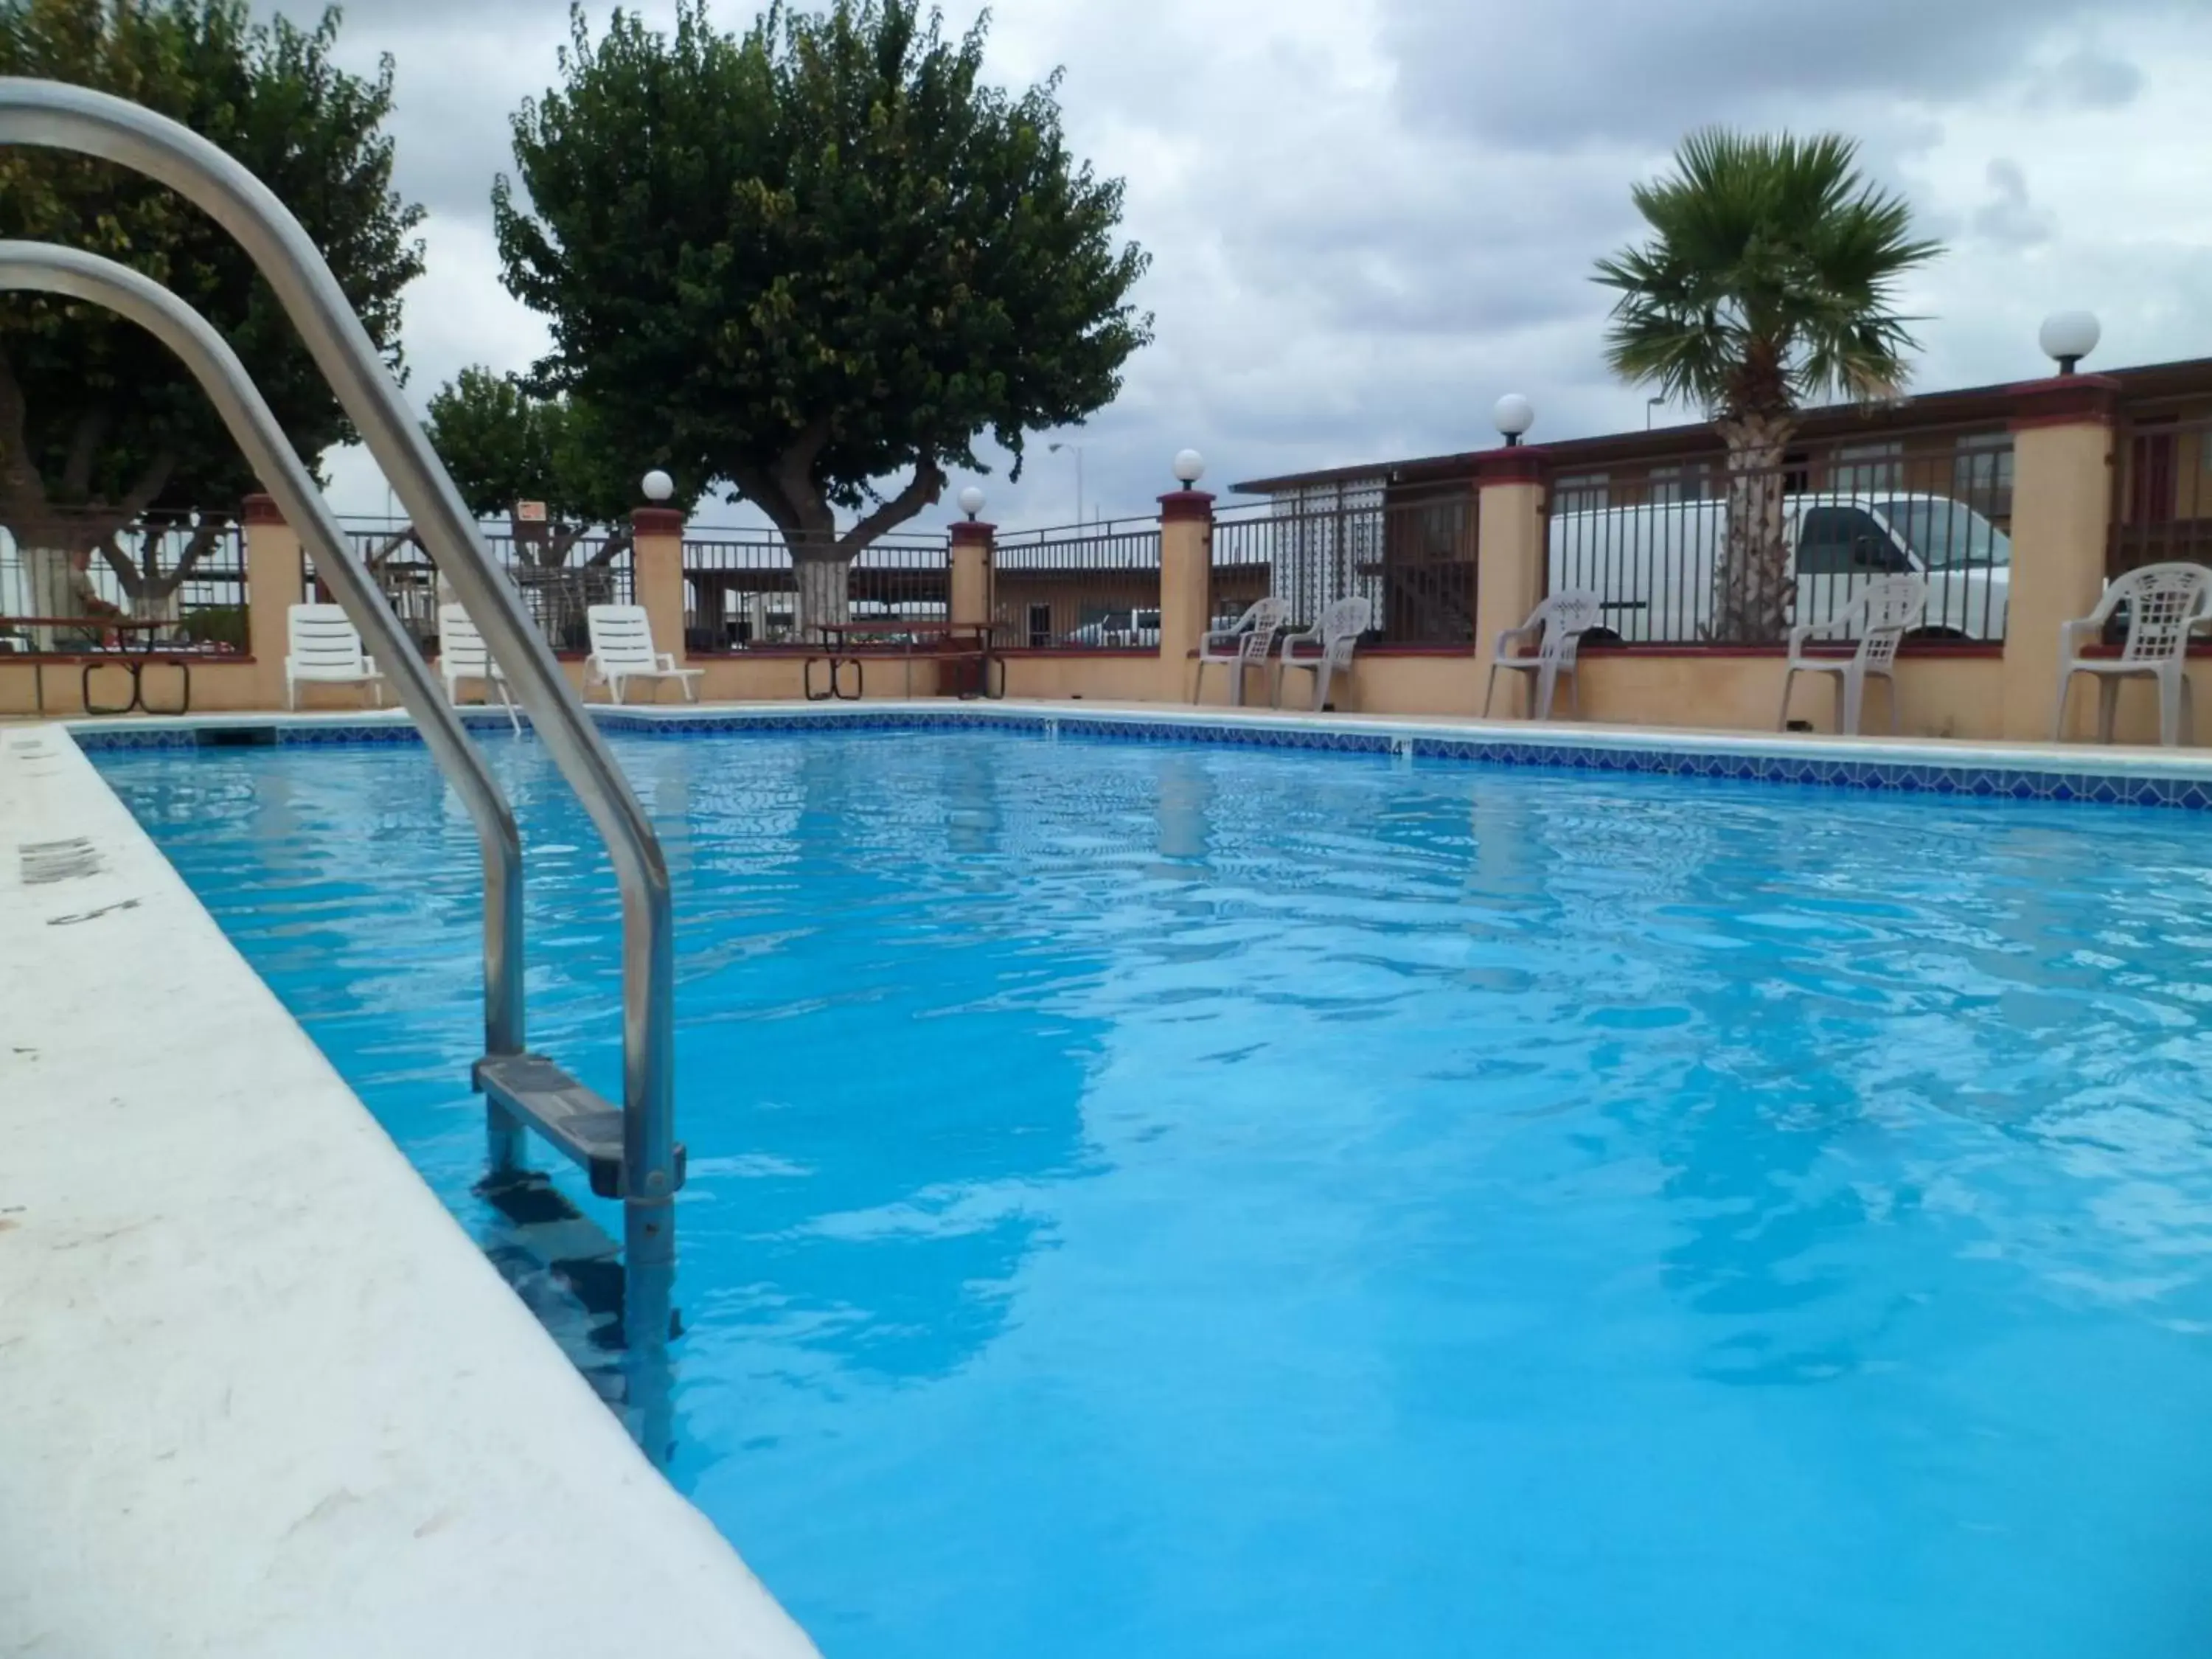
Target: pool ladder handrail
x=53, y=115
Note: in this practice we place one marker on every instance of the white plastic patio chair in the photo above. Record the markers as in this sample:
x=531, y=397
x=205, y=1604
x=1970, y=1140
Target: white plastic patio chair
x=2164, y=601
x=622, y=651
x=462, y=656
x=1555, y=628
x=1248, y=644
x=1884, y=612
x=323, y=648
x=1326, y=648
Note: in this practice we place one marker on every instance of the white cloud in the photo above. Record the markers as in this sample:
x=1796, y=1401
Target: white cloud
x=1369, y=219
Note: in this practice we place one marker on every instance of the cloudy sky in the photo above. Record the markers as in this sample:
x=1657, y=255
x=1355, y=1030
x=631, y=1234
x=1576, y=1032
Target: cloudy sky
x=1368, y=218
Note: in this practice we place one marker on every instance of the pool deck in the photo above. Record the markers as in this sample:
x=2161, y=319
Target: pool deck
x=263, y=1396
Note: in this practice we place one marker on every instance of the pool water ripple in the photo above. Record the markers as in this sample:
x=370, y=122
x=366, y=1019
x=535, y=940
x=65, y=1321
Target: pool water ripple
x=1199, y=1202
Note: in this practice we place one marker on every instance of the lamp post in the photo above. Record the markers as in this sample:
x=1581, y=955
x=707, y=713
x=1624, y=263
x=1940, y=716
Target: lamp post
x=2068, y=336
x=1077, y=448
x=1513, y=415
x=657, y=485
x=1189, y=467
x=971, y=501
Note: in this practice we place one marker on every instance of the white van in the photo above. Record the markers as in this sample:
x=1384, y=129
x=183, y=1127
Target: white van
x=1139, y=630
x=1652, y=567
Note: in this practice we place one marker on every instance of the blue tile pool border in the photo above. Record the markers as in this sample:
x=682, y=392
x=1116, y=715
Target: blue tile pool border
x=2126, y=781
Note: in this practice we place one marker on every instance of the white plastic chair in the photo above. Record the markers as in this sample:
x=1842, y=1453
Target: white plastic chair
x=1884, y=612
x=1246, y=645
x=622, y=651
x=323, y=648
x=2163, y=601
x=462, y=656
x=1326, y=648
x=1555, y=628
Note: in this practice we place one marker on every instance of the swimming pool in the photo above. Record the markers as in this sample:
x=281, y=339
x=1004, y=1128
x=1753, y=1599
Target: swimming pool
x=1187, y=1201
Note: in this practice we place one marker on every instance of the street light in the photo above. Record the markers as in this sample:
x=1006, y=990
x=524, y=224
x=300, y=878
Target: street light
x=1189, y=467
x=971, y=500
x=2068, y=336
x=1077, y=448
x=1513, y=415
x=658, y=485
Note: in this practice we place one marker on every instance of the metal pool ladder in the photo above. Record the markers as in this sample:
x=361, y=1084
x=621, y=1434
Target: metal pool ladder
x=631, y=1153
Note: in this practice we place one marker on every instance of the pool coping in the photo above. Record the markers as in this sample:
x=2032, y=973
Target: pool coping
x=2046, y=772
x=265, y=1396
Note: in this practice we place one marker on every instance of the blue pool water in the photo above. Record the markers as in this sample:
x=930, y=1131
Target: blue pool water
x=1193, y=1202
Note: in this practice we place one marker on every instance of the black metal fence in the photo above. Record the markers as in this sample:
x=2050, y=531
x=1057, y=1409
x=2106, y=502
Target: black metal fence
x=1412, y=555
x=1670, y=547
x=742, y=589
x=2162, y=492
x=558, y=579
x=1094, y=587
x=184, y=573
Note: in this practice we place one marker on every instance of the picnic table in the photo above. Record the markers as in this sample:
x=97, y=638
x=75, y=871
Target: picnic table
x=854, y=644
x=132, y=655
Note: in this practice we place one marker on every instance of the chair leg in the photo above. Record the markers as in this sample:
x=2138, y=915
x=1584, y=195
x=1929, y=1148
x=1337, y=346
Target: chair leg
x=2059, y=718
x=1854, y=701
x=291, y=694
x=1782, y=719
x=1321, y=686
x=1575, y=689
x=2169, y=709
x=1890, y=682
x=1546, y=679
x=1490, y=695
x=1198, y=683
x=2108, y=702
x=2188, y=714
x=1837, y=680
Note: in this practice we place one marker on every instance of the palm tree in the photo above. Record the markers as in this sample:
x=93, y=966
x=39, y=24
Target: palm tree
x=1767, y=283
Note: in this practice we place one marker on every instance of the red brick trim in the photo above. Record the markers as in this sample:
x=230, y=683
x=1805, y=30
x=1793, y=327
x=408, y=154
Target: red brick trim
x=973, y=532
x=1186, y=507
x=259, y=509
x=1986, y=650
x=656, y=521
x=1522, y=463
x=2066, y=400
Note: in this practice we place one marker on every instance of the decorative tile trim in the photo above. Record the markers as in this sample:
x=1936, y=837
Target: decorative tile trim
x=1987, y=779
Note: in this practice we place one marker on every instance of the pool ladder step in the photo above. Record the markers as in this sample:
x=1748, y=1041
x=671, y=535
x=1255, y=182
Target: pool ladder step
x=581, y=1123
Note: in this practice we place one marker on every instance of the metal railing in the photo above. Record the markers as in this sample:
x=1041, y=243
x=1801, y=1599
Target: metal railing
x=742, y=588
x=186, y=571
x=2161, y=509
x=1080, y=588
x=649, y=1167
x=1411, y=554
x=1657, y=542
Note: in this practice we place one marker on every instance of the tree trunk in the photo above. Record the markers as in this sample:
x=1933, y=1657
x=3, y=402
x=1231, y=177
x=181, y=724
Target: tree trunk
x=823, y=589
x=1752, y=582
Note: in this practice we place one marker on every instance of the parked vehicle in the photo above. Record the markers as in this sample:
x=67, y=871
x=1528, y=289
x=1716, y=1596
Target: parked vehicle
x=1652, y=566
x=1131, y=629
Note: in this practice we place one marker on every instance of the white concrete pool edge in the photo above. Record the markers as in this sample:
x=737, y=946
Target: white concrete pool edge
x=263, y=1395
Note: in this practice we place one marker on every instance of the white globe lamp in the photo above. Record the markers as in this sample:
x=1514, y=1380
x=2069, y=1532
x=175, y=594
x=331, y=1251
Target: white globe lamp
x=971, y=500
x=1190, y=466
x=2068, y=336
x=658, y=485
x=1513, y=415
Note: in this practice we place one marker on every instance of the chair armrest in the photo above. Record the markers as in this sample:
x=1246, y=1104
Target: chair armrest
x=1800, y=634
x=667, y=659
x=2071, y=633
x=1509, y=635
x=287, y=662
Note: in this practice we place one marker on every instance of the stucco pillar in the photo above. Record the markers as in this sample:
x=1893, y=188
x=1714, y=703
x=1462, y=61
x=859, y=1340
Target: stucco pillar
x=2062, y=503
x=273, y=587
x=971, y=599
x=1510, y=568
x=656, y=574
x=1186, y=587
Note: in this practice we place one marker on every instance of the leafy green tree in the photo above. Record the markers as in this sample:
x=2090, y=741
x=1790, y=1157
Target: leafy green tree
x=1769, y=281
x=814, y=258
x=504, y=445
x=99, y=424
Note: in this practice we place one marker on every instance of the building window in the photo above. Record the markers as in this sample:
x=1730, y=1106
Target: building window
x=1581, y=492
x=1863, y=469
x=1690, y=482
